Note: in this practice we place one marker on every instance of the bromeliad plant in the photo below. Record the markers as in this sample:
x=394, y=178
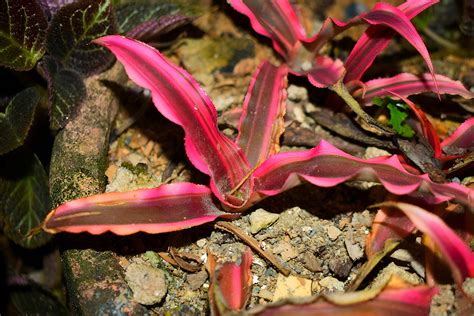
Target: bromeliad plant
x=241, y=172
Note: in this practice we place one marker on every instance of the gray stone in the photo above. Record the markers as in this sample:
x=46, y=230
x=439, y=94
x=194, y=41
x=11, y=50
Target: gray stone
x=148, y=284
x=261, y=219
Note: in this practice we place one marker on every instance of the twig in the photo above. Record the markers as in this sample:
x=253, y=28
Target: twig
x=252, y=243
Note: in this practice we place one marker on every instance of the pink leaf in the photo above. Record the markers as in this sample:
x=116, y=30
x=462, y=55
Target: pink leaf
x=327, y=166
x=412, y=301
x=375, y=39
x=261, y=123
x=428, y=129
x=231, y=284
x=406, y=84
x=166, y=208
x=180, y=99
x=463, y=136
x=325, y=72
x=457, y=254
x=275, y=19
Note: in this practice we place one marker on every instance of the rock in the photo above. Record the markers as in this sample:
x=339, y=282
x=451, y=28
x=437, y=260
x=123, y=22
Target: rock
x=393, y=269
x=362, y=219
x=148, y=284
x=265, y=294
x=201, y=242
x=354, y=249
x=196, y=280
x=285, y=250
x=372, y=152
x=332, y=284
x=312, y=263
x=341, y=265
x=261, y=219
x=291, y=287
x=296, y=93
x=405, y=255
x=333, y=232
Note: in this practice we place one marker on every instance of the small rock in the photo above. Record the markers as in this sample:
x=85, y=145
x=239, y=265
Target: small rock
x=291, y=287
x=312, y=263
x=393, y=269
x=201, y=242
x=332, y=284
x=261, y=219
x=405, y=255
x=148, y=284
x=354, y=250
x=296, y=93
x=196, y=280
x=285, y=250
x=299, y=114
x=372, y=152
x=341, y=265
x=265, y=294
x=333, y=232
x=362, y=219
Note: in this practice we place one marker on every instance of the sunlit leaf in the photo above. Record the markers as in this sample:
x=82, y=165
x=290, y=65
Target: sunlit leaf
x=74, y=27
x=24, y=198
x=17, y=119
x=22, y=33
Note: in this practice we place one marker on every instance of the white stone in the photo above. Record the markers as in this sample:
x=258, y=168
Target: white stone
x=261, y=219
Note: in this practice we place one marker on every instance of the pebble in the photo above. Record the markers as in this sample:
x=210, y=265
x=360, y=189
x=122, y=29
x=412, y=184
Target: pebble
x=362, y=219
x=285, y=250
x=201, y=242
x=148, y=284
x=261, y=219
x=354, y=250
x=312, y=263
x=296, y=93
x=333, y=232
x=373, y=152
x=196, y=280
x=341, y=265
x=332, y=284
x=291, y=286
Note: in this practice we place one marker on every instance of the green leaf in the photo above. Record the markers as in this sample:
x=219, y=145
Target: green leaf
x=17, y=119
x=24, y=198
x=398, y=117
x=74, y=27
x=66, y=92
x=133, y=14
x=22, y=33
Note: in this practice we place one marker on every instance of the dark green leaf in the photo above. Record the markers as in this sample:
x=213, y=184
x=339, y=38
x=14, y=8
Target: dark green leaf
x=22, y=33
x=16, y=121
x=24, y=198
x=131, y=15
x=74, y=27
x=31, y=299
x=66, y=92
x=398, y=117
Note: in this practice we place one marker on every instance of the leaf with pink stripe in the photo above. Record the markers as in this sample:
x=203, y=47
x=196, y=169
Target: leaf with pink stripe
x=376, y=38
x=261, y=123
x=457, y=254
x=169, y=207
x=462, y=138
x=327, y=166
x=180, y=99
x=406, y=84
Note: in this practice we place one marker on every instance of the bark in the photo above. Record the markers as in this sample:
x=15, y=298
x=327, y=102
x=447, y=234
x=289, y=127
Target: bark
x=95, y=280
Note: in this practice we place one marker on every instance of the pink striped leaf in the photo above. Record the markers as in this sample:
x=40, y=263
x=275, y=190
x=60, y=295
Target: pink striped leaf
x=231, y=285
x=376, y=38
x=457, y=254
x=261, y=123
x=428, y=130
x=275, y=19
x=325, y=71
x=163, y=209
x=406, y=84
x=180, y=99
x=327, y=166
x=397, y=298
x=462, y=138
